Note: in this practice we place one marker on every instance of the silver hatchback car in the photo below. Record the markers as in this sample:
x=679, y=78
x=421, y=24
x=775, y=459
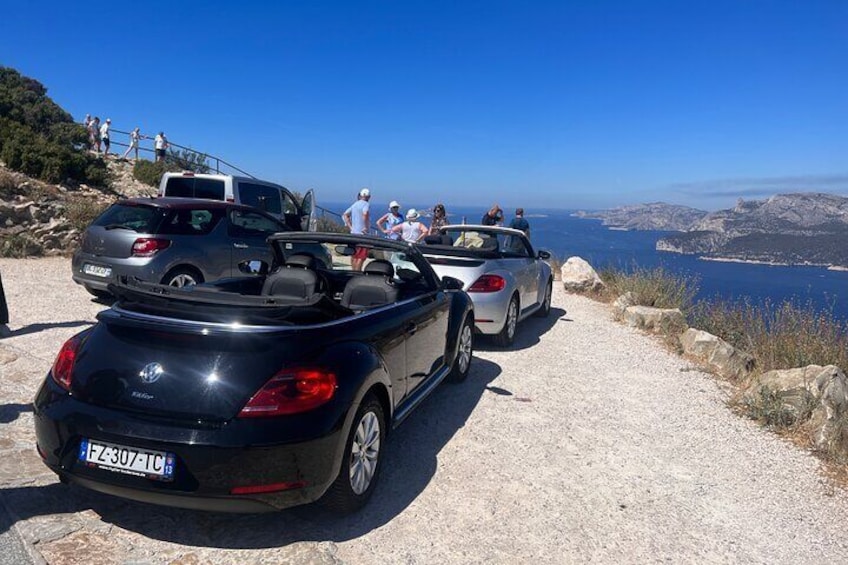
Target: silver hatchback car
x=176, y=241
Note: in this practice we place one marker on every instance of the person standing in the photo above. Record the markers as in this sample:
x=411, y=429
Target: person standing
x=104, y=135
x=135, y=136
x=389, y=220
x=440, y=217
x=412, y=231
x=94, y=134
x=357, y=218
x=493, y=217
x=4, y=313
x=160, y=144
x=519, y=223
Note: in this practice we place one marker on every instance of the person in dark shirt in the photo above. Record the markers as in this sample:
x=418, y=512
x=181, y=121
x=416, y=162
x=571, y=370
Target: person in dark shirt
x=493, y=217
x=519, y=223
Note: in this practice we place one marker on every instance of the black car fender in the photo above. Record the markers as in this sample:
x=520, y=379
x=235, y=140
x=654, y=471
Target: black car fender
x=359, y=369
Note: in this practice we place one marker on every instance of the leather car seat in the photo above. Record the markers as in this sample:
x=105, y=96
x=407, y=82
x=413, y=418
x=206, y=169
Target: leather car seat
x=297, y=279
x=374, y=288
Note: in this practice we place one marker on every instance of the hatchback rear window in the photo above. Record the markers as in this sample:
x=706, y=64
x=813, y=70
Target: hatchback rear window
x=142, y=219
x=193, y=187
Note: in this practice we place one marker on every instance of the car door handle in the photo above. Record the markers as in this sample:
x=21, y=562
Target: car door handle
x=240, y=245
x=411, y=329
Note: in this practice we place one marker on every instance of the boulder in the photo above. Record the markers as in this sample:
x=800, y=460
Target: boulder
x=666, y=320
x=794, y=395
x=621, y=304
x=720, y=355
x=579, y=276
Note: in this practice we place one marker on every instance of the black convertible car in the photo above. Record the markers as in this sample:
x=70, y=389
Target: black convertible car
x=258, y=392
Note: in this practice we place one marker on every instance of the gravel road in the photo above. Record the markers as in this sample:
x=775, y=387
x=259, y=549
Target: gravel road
x=586, y=442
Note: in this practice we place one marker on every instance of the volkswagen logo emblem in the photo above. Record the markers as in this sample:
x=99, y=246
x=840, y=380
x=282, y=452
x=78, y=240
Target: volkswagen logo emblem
x=151, y=373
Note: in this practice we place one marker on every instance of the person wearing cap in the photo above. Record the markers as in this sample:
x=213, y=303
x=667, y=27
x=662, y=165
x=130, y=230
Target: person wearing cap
x=412, y=231
x=135, y=136
x=357, y=218
x=104, y=135
x=389, y=220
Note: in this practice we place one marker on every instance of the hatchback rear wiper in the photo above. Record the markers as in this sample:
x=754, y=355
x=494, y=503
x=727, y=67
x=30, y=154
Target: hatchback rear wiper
x=118, y=227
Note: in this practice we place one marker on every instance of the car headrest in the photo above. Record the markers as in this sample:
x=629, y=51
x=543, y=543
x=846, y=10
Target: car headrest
x=302, y=260
x=380, y=267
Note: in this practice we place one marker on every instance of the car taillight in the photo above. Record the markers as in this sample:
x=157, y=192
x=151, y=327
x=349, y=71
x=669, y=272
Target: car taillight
x=63, y=366
x=147, y=246
x=488, y=283
x=291, y=391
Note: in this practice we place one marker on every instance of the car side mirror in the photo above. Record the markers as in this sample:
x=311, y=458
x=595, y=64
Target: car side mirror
x=344, y=250
x=542, y=254
x=450, y=283
x=254, y=267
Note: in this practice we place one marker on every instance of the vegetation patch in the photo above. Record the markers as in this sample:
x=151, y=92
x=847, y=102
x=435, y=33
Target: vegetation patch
x=81, y=211
x=657, y=288
x=19, y=246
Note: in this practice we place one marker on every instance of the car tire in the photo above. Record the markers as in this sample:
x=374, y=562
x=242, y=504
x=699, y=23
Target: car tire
x=507, y=335
x=464, y=353
x=362, y=459
x=545, y=309
x=103, y=295
x=182, y=276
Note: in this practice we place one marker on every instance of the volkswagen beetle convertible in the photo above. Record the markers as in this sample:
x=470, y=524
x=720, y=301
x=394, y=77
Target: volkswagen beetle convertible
x=255, y=393
x=507, y=280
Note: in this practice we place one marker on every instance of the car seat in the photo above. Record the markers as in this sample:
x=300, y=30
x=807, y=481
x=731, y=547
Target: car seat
x=297, y=279
x=374, y=288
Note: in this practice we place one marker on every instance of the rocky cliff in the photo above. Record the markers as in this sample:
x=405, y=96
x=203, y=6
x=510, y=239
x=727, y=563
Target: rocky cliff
x=39, y=218
x=653, y=216
x=796, y=228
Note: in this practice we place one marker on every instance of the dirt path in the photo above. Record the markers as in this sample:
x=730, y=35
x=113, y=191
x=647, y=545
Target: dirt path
x=585, y=442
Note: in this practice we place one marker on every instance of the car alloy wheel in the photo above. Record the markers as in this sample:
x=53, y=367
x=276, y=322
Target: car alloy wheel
x=464, y=351
x=364, y=453
x=181, y=277
x=507, y=334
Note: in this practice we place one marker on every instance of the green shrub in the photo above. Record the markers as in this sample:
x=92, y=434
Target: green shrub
x=149, y=172
x=39, y=138
x=658, y=287
x=81, y=211
x=19, y=246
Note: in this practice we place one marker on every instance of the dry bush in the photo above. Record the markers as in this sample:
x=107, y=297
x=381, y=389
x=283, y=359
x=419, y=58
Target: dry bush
x=19, y=246
x=657, y=287
x=81, y=211
x=779, y=336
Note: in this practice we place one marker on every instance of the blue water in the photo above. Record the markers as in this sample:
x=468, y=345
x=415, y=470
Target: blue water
x=565, y=236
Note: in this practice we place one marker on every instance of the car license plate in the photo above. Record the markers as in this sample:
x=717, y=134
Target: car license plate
x=97, y=270
x=157, y=465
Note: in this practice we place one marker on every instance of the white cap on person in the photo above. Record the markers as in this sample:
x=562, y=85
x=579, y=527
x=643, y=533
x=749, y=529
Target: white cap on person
x=364, y=193
x=394, y=204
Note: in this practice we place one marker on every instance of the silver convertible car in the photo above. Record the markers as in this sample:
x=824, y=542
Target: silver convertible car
x=506, y=279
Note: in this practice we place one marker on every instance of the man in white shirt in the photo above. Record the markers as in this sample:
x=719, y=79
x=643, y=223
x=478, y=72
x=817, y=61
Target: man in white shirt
x=104, y=135
x=160, y=144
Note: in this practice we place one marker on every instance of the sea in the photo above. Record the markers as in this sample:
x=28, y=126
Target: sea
x=565, y=235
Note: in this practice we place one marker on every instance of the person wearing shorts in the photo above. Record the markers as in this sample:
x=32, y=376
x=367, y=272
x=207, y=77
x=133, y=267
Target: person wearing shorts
x=104, y=135
x=357, y=218
x=160, y=144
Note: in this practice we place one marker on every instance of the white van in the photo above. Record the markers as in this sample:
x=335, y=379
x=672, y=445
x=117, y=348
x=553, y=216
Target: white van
x=272, y=198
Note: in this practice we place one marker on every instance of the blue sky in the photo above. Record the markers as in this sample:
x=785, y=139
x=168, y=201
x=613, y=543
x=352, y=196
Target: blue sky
x=538, y=104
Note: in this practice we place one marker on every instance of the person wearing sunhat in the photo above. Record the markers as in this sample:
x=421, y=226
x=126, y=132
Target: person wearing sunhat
x=389, y=220
x=411, y=230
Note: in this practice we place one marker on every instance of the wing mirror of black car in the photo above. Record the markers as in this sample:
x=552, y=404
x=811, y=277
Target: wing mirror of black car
x=450, y=283
x=345, y=250
x=254, y=267
x=542, y=254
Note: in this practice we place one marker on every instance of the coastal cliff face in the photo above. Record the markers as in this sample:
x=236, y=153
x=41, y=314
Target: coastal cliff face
x=657, y=216
x=797, y=228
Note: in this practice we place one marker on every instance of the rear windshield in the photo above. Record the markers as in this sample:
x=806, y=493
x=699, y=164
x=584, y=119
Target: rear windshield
x=140, y=218
x=193, y=187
